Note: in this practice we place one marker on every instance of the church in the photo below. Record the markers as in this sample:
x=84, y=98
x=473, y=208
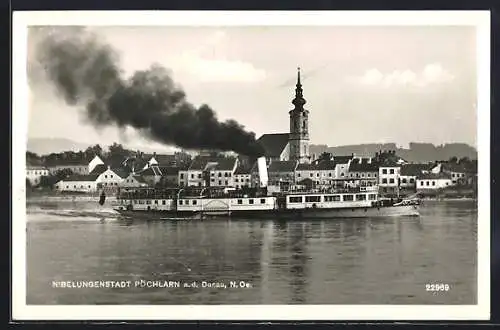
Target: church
x=292, y=146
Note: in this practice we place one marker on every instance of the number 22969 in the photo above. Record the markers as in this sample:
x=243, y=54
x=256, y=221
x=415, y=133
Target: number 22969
x=437, y=287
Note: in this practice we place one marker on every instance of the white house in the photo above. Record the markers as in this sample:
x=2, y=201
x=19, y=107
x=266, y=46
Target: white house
x=94, y=162
x=78, y=183
x=242, y=178
x=432, y=181
x=222, y=173
x=410, y=172
x=183, y=177
x=133, y=180
x=35, y=173
x=342, y=166
x=389, y=177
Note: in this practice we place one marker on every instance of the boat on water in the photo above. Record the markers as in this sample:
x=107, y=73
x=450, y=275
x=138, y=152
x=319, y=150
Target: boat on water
x=206, y=202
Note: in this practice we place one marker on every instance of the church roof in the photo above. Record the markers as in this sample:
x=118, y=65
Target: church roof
x=283, y=166
x=274, y=144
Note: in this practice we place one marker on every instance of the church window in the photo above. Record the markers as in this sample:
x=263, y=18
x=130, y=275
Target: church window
x=304, y=124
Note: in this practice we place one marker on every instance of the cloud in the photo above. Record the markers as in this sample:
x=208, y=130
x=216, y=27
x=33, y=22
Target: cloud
x=431, y=74
x=205, y=65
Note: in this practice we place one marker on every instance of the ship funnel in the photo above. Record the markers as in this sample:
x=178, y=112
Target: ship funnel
x=261, y=164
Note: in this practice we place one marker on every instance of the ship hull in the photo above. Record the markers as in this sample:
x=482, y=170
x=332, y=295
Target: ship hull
x=311, y=213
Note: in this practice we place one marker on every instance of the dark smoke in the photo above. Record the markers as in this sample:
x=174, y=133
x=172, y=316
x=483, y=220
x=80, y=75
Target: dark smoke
x=85, y=72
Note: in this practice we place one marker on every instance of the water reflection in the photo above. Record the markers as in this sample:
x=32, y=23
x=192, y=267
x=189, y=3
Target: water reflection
x=343, y=261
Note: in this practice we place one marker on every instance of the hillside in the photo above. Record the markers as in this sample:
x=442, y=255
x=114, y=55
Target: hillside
x=418, y=152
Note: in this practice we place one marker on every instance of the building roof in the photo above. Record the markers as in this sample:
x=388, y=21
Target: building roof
x=433, y=176
x=151, y=171
x=415, y=169
x=342, y=159
x=305, y=167
x=225, y=164
x=79, y=178
x=274, y=144
x=165, y=160
x=282, y=166
x=242, y=170
x=169, y=170
x=139, y=178
x=115, y=161
x=453, y=167
x=363, y=165
x=35, y=167
x=99, y=169
x=121, y=172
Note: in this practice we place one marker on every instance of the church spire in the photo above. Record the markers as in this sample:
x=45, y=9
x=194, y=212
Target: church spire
x=299, y=100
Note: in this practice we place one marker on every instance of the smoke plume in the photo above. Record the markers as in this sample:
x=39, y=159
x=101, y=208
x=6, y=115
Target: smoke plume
x=86, y=73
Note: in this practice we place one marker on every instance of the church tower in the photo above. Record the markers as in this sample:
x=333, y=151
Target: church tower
x=299, y=126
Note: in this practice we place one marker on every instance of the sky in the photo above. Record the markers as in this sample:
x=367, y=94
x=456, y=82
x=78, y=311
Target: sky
x=362, y=84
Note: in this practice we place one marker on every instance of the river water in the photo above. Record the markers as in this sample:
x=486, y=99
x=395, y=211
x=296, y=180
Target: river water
x=344, y=261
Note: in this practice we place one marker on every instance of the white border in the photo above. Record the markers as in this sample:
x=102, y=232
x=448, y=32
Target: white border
x=21, y=311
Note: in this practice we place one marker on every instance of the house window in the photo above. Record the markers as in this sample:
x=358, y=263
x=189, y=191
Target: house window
x=421, y=183
x=182, y=175
x=311, y=175
x=384, y=171
x=433, y=183
x=111, y=176
x=220, y=182
x=89, y=186
x=263, y=201
x=330, y=174
x=341, y=174
x=391, y=171
x=180, y=202
x=105, y=176
x=403, y=180
x=67, y=187
x=296, y=199
x=156, y=202
x=298, y=175
x=250, y=201
x=384, y=180
x=199, y=176
x=391, y=180
x=74, y=186
x=426, y=183
x=412, y=180
x=362, y=175
x=225, y=182
x=192, y=176
x=195, y=202
x=220, y=174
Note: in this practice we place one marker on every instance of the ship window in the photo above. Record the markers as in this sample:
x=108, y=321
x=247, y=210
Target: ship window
x=313, y=199
x=164, y=202
x=348, y=198
x=240, y=201
x=361, y=197
x=195, y=202
x=263, y=201
x=250, y=201
x=332, y=198
x=148, y=202
x=372, y=197
x=156, y=202
x=180, y=202
x=295, y=199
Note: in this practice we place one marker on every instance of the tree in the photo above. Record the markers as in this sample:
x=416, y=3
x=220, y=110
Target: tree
x=63, y=174
x=325, y=156
x=94, y=150
x=452, y=160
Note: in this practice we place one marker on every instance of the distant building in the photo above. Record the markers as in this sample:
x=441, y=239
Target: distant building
x=78, y=183
x=282, y=173
x=34, y=174
x=77, y=165
x=133, y=181
x=94, y=162
x=410, y=173
x=363, y=172
x=432, y=181
x=242, y=177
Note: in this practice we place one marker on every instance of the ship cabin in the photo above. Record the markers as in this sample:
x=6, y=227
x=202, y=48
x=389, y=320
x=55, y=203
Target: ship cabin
x=215, y=199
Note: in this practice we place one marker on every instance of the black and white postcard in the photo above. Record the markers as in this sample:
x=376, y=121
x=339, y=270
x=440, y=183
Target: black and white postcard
x=251, y=165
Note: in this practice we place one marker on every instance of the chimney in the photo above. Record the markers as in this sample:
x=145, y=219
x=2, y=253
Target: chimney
x=109, y=167
x=261, y=164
